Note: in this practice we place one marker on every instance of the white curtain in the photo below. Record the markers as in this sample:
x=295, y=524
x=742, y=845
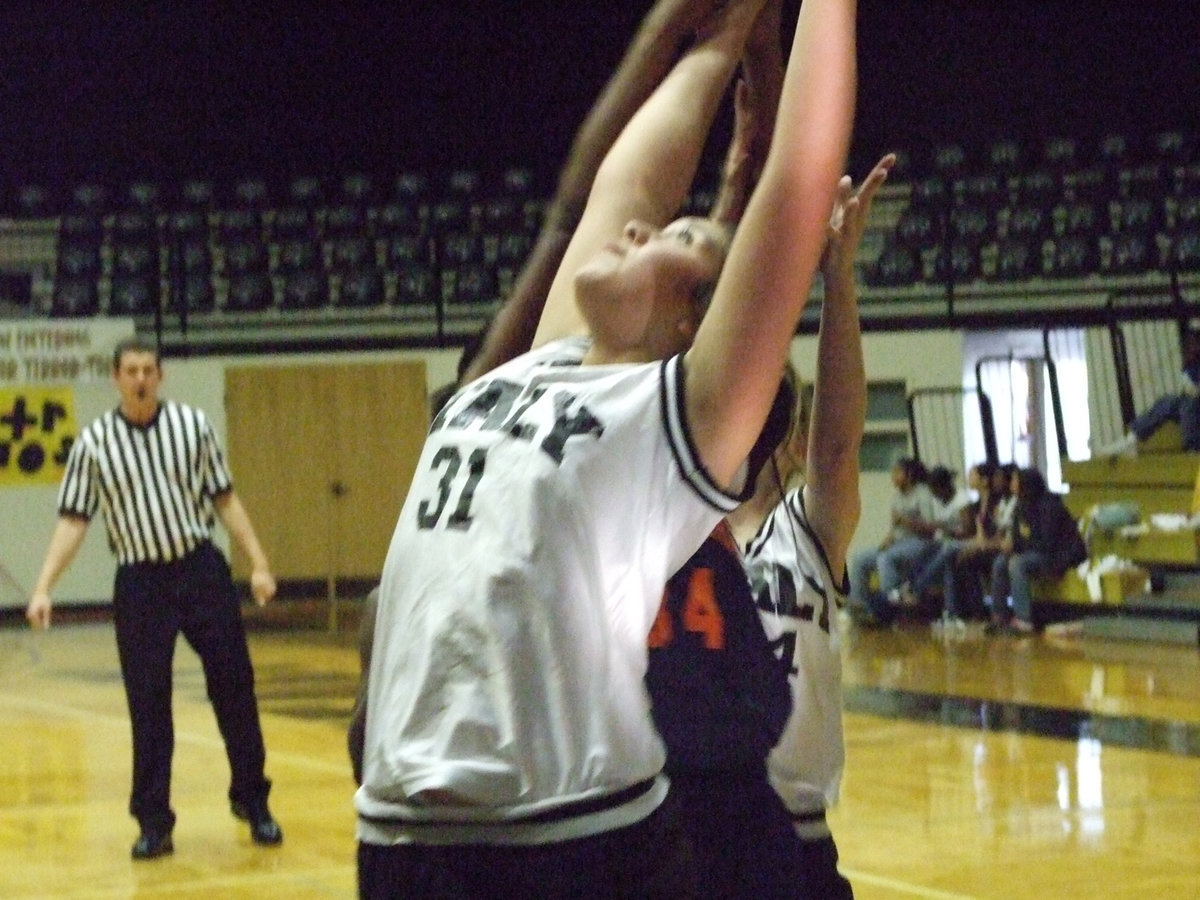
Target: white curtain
x=1010, y=368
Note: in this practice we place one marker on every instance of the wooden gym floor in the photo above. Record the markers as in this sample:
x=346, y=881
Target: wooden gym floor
x=978, y=767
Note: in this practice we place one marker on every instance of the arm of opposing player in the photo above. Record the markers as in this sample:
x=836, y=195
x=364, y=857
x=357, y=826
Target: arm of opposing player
x=756, y=102
x=646, y=62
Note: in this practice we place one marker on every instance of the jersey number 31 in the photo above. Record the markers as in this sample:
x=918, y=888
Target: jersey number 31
x=449, y=461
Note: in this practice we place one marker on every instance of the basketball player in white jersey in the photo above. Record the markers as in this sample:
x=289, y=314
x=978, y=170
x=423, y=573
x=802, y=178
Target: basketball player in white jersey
x=650, y=56
x=796, y=539
x=509, y=748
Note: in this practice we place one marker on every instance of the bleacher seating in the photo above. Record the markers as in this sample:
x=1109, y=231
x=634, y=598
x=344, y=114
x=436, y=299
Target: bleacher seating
x=1039, y=216
x=80, y=263
x=1186, y=256
x=359, y=287
x=1066, y=210
x=135, y=274
x=197, y=194
x=415, y=285
x=133, y=295
x=1160, y=479
x=75, y=297
x=189, y=261
x=1015, y=260
x=78, y=258
x=33, y=202
x=304, y=288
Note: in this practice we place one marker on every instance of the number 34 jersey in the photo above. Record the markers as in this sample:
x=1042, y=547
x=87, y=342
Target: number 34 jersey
x=550, y=505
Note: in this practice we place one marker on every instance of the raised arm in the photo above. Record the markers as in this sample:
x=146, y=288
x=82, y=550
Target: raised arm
x=831, y=491
x=668, y=26
x=736, y=360
x=756, y=102
x=649, y=169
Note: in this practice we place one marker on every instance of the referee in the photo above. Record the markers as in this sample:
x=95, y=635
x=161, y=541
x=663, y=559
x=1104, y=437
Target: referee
x=156, y=472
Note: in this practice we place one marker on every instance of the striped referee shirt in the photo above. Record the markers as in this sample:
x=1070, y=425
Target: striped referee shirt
x=154, y=483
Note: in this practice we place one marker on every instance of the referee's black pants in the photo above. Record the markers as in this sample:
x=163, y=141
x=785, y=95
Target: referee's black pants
x=152, y=604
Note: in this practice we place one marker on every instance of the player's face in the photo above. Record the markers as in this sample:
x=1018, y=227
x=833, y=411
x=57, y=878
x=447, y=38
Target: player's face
x=688, y=253
x=138, y=376
x=644, y=286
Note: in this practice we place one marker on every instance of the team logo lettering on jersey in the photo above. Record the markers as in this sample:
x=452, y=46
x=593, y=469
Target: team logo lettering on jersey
x=780, y=597
x=505, y=406
x=774, y=590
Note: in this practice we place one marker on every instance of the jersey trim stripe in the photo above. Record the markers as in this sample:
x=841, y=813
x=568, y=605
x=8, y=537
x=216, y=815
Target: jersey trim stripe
x=572, y=810
x=840, y=584
x=633, y=804
x=680, y=439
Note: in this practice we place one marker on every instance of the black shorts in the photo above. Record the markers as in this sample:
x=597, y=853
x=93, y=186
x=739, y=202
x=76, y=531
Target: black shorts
x=745, y=842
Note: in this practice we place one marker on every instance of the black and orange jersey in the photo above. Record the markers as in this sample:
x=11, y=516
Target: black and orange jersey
x=719, y=695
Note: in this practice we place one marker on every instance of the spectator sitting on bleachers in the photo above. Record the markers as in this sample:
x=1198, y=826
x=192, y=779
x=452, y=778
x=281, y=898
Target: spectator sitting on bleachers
x=907, y=544
x=1182, y=406
x=956, y=516
x=952, y=505
x=993, y=518
x=1043, y=540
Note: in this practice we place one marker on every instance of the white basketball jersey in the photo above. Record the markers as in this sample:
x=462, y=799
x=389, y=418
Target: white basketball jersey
x=798, y=599
x=551, y=503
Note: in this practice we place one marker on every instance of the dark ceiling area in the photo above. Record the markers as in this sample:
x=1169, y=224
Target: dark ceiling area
x=173, y=90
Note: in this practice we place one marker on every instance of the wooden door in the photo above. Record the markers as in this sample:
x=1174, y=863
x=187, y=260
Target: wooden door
x=322, y=457
x=379, y=415
x=279, y=450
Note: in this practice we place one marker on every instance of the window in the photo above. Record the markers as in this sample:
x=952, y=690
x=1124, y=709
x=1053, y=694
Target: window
x=886, y=437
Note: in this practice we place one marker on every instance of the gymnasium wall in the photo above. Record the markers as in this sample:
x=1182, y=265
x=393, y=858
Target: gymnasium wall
x=922, y=359
x=28, y=513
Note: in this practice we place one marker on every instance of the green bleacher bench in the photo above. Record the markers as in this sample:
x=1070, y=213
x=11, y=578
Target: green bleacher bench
x=1162, y=478
x=1115, y=588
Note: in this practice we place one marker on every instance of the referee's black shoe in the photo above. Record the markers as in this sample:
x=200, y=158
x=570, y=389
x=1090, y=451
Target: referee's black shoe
x=151, y=844
x=263, y=827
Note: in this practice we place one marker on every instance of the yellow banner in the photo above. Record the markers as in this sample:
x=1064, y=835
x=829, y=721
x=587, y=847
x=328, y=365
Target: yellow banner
x=37, y=428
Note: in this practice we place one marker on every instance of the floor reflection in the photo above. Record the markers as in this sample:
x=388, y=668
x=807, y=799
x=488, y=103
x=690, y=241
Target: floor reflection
x=1181, y=738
